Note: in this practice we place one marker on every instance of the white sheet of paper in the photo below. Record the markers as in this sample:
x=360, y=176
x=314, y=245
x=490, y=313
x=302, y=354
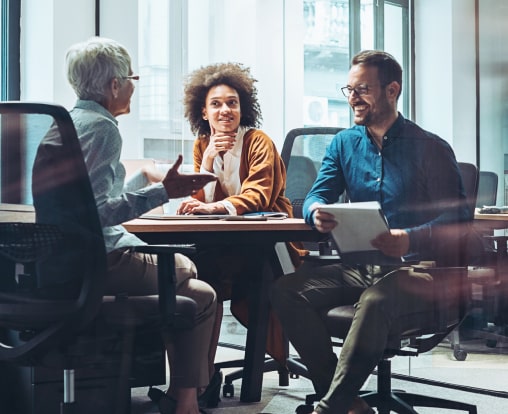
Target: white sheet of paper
x=358, y=224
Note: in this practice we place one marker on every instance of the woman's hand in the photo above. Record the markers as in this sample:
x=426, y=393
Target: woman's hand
x=180, y=185
x=394, y=243
x=220, y=142
x=194, y=206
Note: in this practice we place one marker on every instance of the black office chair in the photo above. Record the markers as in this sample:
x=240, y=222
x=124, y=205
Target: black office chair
x=424, y=337
x=62, y=342
x=488, y=316
x=302, y=148
x=487, y=189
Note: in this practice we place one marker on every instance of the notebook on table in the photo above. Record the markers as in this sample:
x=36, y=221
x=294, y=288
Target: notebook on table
x=259, y=216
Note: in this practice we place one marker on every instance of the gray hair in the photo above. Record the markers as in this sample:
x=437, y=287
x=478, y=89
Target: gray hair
x=91, y=65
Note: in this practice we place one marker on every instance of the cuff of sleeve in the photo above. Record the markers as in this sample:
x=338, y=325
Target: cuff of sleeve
x=312, y=210
x=229, y=207
x=419, y=238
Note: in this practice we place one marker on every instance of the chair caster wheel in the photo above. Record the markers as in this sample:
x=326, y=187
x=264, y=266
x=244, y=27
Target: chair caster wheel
x=460, y=354
x=228, y=391
x=491, y=343
x=304, y=409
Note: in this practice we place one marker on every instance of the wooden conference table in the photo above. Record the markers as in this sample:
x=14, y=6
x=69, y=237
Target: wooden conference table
x=259, y=237
x=16, y=213
x=491, y=221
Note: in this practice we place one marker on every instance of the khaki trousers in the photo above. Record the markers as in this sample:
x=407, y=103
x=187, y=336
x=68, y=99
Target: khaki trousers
x=135, y=274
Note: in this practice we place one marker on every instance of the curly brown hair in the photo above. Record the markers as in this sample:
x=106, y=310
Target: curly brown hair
x=234, y=75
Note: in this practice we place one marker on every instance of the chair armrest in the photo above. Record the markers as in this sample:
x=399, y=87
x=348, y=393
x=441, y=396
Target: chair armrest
x=176, y=311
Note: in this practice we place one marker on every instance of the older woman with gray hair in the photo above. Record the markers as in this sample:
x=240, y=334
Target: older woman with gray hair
x=99, y=70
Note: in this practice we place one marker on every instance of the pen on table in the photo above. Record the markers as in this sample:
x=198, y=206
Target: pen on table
x=243, y=218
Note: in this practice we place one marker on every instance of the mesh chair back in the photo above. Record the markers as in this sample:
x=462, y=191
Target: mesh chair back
x=469, y=174
x=487, y=189
x=42, y=165
x=302, y=153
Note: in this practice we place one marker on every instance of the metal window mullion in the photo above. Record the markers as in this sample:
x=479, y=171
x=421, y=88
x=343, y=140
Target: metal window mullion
x=379, y=24
x=355, y=36
x=11, y=14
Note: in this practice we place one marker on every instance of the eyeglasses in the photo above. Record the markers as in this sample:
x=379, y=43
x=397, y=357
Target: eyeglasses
x=359, y=90
x=131, y=77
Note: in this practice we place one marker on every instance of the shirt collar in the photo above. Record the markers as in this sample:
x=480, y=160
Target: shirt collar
x=90, y=105
x=396, y=127
x=393, y=131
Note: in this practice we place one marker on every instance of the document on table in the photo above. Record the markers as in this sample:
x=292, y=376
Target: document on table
x=357, y=225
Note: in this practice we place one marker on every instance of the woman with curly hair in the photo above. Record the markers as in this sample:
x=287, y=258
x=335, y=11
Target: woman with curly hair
x=221, y=105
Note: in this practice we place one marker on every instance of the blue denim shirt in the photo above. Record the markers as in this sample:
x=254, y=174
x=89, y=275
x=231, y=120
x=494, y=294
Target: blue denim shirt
x=415, y=178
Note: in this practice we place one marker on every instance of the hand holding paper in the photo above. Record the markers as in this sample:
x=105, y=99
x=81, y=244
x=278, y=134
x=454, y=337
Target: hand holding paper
x=361, y=232
x=395, y=243
x=357, y=225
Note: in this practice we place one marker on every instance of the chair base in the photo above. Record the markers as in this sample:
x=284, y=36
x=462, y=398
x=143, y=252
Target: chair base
x=386, y=400
x=494, y=340
x=294, y=369
x=402, y=402
x=270, y=365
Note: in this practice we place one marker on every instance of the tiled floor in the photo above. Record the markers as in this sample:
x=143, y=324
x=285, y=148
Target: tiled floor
x=481, y=370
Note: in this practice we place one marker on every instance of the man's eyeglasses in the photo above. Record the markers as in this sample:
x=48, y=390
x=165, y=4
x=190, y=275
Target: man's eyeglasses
x=131, y=77
x=347, y=91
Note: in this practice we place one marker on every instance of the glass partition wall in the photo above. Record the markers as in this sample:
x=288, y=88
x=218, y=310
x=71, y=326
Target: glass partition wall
x=299, y=50
x=493, y=88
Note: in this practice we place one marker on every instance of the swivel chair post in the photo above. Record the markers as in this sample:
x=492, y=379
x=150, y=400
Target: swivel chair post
x=68, y=406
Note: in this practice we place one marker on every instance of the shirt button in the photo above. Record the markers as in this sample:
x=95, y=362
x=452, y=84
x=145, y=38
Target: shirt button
x=385, y=137
x=378, y=179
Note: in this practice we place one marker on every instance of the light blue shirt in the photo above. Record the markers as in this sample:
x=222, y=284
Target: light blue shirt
x=117, y=201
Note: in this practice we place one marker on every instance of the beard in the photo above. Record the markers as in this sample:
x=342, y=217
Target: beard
x=372, y=115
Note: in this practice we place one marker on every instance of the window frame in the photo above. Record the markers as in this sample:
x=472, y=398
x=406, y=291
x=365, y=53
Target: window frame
x=10, y=50
x=10, y=86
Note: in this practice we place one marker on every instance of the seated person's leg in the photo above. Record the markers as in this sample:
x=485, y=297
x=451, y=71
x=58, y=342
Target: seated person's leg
x=136, y=274
x=390, y=306
x=299, y=299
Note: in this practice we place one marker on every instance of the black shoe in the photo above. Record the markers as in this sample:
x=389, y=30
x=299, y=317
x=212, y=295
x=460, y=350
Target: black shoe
x=167, y=405
x=211, y=396
x=155, y=394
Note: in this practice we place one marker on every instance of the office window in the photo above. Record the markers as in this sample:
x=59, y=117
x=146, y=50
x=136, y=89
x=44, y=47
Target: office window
x=396, y=42
x=493, y=93
x=2, y=60
x=326, y=62
x=10, y=11
x=334, y=31
x=299, y=50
